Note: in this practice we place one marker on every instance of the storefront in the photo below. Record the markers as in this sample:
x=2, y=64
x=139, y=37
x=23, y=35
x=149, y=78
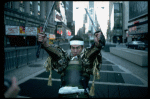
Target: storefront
x=138, y=21
x=21, y=35
x=139, y=31
x=62, y=31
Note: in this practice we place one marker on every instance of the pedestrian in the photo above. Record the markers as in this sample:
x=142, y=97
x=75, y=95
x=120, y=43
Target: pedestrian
x=75, y=68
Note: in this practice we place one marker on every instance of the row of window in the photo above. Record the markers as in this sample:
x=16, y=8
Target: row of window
x=22, y=7
x=118, y=16
x=13, y=21
x=19, y=22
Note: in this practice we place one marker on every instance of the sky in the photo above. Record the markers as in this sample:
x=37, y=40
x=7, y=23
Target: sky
x=102, y=14
x=78, y=13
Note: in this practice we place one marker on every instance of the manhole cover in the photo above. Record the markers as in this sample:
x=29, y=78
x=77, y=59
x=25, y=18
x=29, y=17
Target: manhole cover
x=35, y=65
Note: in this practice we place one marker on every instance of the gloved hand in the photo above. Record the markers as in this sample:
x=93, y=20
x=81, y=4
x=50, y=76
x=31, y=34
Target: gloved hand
x=42, y=37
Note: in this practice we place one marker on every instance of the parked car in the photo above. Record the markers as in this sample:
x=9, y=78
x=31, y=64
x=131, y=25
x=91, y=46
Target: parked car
x=136, y=45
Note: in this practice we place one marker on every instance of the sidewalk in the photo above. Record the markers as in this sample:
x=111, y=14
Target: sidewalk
x=26, y=70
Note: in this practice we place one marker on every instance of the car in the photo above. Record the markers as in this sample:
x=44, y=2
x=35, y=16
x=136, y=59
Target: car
x=136, y=45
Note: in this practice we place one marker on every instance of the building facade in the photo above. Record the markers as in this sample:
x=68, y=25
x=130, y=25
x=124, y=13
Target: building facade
x=138, y=21
x=125, y=20
x=69, y=15
x=134, y=21
x=24, y=19
x=92, y=14
x=118, y=24
x=115, y=32
x=115, y=24
x=64, y=14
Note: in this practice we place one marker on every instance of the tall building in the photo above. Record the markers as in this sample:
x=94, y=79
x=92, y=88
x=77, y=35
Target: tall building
x=69, y=15
x=125, y=20
x=115, y=32
x=24, y=19
x=63, y=29
x=118, y=25
x=134, y=21
x=92, y=14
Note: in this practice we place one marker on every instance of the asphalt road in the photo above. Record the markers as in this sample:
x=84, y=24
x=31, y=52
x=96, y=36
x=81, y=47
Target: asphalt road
x=114, y=82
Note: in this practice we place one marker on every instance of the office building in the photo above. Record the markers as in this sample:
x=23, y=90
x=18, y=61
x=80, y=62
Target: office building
x=24, y=19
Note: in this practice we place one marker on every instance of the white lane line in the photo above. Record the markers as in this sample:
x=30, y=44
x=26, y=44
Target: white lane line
x=31, y=76
x=22, y=96
x=129, y=72
x=112, y=71
x=96, y=82
x=40, y=78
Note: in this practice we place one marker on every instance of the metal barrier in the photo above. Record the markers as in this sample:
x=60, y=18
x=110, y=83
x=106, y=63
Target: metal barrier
x=17, y=57
x=20, y=56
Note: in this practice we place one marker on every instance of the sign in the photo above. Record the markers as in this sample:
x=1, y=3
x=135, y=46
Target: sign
x=58, y=17
x=69, y=33
x=22, y=30
x=51, y=37
x=12, y=30
x=39, y=29
x=31, y=30
x=138, y=29
x=59, y=30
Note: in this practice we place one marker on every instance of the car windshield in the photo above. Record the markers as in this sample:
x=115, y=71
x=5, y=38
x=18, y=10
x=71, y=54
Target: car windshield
x=134, y=42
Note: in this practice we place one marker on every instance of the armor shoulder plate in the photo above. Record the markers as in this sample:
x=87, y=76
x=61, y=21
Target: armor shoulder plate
x=59, y=58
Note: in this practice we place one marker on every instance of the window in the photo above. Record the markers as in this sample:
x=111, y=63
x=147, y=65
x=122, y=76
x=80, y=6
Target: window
x=21, y=6
x=117, y=15
x=31, y=8
x=38, y=8
x=8, y=4
x=117, y=7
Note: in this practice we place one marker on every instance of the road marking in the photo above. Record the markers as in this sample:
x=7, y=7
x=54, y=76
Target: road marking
x=96, y=82
x=129, y=72
x=108, y=64
x=18, y=96
x=31, y=76
x=39, y=78
x=124, y=69
x=112, y=71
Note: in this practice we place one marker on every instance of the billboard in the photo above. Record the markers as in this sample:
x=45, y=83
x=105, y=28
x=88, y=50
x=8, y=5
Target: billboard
x=52, y=36
x=11, y=30
x=22, y=30
x=31, y=30
x=39, y=29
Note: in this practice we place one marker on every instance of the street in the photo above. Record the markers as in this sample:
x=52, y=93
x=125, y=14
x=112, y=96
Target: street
x=115, y=81
x=111, y=24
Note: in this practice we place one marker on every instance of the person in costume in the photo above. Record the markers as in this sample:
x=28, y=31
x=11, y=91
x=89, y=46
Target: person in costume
x=75, y=68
